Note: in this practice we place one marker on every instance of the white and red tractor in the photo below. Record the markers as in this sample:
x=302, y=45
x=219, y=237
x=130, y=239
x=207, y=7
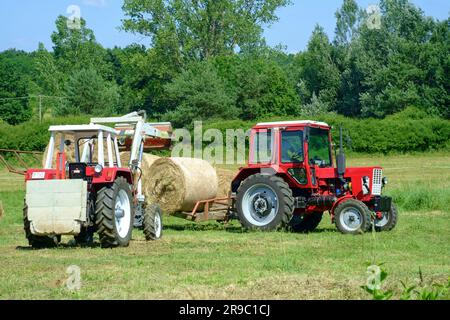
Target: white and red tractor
x=96, y=192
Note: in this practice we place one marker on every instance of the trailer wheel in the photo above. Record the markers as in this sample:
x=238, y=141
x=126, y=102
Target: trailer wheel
x=306, y=223
x=152, y=222
x=114, y=213
x=352, y=217
x=264, y=202
x=37, y=242
x=388, y=221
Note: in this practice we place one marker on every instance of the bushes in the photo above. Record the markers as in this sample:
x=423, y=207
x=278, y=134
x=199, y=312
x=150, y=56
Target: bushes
x=408, y=131
x=32, y=135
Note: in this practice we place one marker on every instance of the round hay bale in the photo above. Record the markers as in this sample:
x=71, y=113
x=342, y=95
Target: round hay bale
x=225, y=177
x=70, y=151
x=176, y=184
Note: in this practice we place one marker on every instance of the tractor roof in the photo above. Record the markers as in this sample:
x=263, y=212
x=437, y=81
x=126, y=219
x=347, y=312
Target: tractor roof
x=91, y=129
x=297, y=123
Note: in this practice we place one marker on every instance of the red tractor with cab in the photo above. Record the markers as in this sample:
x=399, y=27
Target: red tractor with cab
x=291, y=179
x=95, y=192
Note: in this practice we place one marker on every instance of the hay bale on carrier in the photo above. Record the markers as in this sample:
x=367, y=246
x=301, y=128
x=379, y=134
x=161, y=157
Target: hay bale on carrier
x=225, y=177
x=177, y=184
x=70, y=150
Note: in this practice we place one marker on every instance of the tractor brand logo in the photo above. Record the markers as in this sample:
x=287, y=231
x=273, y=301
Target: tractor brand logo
x=73, y=282
x=74, y=18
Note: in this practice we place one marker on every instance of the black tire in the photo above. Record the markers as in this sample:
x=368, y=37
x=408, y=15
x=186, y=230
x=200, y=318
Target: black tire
x=85, y=238
x=360, y=209
x=37, y=242
x=105, y=215
x=392, y=218
x=284, y=198
x=152, y=222
x=306, y=223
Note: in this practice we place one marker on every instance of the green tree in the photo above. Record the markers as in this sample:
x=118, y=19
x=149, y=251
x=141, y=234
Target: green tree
x=261, y=86
x=15, y=71
x=77, y=49
x=86, y=92
x=347, y=20
x=200, y=94
x=185, y=30
x=319, y=74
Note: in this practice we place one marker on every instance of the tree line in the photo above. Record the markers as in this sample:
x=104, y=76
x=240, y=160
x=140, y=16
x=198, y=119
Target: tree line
x=208, y=60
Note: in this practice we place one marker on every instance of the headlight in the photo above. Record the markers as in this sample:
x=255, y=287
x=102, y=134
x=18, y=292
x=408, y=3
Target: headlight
x=98, y=169
x=366, y=180
x=385, y=181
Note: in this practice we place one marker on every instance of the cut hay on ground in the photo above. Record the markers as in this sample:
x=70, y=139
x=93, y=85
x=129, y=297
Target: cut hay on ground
x=177, y=184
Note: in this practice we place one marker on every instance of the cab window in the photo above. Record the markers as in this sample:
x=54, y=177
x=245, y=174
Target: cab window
x=319, y=150
x=292, y=146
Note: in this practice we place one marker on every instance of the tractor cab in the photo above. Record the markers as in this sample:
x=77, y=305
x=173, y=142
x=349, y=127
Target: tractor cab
x=79, y=152
x=292, y=147
x=291, y=179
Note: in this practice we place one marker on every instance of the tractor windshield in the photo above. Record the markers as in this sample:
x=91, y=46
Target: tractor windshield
x=292, y=146
x=319, y=150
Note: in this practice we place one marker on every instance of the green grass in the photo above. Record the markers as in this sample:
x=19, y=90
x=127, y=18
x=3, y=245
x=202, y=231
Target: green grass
x=214, y=261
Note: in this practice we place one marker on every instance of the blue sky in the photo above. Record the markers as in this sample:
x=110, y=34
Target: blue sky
x=25, y=23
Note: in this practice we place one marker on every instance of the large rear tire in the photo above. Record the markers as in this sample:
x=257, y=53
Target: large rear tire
x=264, y=202
x=306, y=223
x=352, y=217
x=152, y=222
x=37, y=242
x=388, y=221
x=114, y=212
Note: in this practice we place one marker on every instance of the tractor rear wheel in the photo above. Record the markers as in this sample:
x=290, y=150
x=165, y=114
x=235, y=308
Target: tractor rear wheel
x=152, y=222
x=37, y=242
x=114, y=213
x=352, y=217
x=264, y=202
x=306, y=223
x=388, y=221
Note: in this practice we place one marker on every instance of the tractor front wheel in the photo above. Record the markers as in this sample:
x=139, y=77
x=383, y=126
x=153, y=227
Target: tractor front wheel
x=37, y=242
x=264, y=202
x=352, y=217
x=152, y=222
x=114, y=213
x=388, y=220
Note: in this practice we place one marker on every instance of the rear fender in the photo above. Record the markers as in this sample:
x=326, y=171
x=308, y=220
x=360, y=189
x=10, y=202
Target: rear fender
x=244, y=173
x=339, y=201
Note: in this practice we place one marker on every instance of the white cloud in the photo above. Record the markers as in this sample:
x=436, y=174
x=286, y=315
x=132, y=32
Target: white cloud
x=95, y=3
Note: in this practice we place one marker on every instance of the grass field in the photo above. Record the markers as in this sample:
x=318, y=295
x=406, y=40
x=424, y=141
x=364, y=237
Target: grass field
x=213, y=261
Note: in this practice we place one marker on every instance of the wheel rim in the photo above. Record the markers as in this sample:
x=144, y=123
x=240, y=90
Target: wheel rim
x=158, y=225
x=122, y=213
x=260, y=205
x=351, y=219
x=383, y=221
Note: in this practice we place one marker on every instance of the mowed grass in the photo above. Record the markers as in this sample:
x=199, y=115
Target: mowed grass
x=215, y=261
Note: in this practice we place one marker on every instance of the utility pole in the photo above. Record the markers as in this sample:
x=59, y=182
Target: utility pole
x=40, y=108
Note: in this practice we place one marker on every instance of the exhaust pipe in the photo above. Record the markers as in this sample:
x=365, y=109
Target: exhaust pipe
x=322, y=201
